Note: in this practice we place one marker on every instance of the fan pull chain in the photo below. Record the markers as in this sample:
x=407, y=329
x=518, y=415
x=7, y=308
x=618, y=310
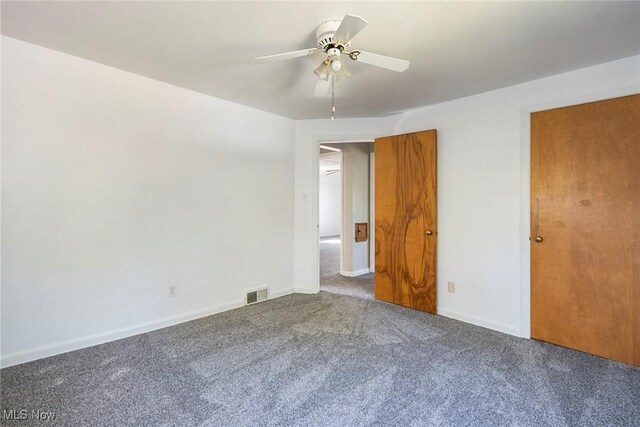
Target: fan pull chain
x=333, y=101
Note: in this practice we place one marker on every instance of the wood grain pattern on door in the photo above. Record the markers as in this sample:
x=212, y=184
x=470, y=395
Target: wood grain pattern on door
x=585, y=209
x=405, y=212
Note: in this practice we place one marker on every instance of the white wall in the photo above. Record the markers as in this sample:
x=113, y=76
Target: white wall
x=482, y=187
x=330, y=187
x=115, y=186
x=355, y=202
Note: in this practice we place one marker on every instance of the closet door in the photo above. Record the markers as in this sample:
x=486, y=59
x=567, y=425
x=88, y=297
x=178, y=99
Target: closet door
x=405, y=212
x=585, y=227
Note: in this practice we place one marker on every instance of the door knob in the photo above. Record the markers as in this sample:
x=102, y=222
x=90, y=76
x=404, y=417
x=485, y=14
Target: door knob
x=539, y=239
x=429, y=232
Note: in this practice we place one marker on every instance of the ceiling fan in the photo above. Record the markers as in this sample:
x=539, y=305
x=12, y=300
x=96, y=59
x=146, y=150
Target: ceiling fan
x=334, y=40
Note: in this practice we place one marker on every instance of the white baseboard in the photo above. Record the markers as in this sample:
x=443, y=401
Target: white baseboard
x=355, y=273
x=281, y=293
x=479, y=321
x=323, y=235
x=96, y=339
x=306, y=291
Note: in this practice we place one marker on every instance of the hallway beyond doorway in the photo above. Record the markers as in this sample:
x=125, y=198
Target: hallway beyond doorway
x=330, y=278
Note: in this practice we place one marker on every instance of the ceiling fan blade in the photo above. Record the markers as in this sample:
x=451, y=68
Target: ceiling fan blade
x=350, y=26
x=288, y=55
x=387, y=62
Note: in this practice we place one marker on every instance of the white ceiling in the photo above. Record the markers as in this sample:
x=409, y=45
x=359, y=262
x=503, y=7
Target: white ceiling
x=455, y=49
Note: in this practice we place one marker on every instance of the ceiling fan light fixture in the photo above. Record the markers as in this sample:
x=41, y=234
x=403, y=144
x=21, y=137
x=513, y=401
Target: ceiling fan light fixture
x=323, y=71
x=327, y=69
x=342, y=74
x=336, y=65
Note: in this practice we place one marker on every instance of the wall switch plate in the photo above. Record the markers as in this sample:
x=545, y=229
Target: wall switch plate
x=173, y=291
x=452, y=287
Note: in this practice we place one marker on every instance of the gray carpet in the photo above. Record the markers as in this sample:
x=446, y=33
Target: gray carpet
x=330, y=359
x=330, y=278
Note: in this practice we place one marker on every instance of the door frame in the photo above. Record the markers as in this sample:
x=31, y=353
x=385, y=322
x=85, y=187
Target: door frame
x=525, y=190
x=315, y=196
x=321, y=146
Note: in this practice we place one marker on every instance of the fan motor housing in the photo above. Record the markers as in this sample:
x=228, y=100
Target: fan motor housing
x=324, y=34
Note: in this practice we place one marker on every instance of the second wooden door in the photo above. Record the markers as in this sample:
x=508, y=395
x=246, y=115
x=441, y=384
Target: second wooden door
x=585, y=225
x=405, y=206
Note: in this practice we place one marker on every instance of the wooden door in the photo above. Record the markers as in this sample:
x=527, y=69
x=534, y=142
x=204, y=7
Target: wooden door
x=585, y=207
x=405, y=205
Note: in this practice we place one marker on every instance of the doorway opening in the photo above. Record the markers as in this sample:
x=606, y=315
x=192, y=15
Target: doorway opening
x=345, y=218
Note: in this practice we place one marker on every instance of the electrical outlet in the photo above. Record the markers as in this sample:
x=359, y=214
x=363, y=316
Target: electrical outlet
x=452, y=287
x=173, y=291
